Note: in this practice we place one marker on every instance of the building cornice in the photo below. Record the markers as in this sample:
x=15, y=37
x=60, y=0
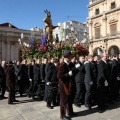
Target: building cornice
x=104, y=39
x=14, y=30
x=95, y=3
x=113, y=10
x=105, y=13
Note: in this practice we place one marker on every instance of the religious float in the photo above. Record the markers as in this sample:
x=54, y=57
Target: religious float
x=48, y=46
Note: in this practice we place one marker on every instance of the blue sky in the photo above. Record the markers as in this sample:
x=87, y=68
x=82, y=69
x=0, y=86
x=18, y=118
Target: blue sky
x=26, y=14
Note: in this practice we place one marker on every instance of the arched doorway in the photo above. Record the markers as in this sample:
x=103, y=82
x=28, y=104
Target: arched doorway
x=97, y=51
x=113, y=49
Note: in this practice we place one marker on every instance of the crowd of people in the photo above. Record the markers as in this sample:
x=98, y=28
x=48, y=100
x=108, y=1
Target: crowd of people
x=90, y=80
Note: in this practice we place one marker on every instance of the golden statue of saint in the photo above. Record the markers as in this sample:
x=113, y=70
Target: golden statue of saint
x=48, y=25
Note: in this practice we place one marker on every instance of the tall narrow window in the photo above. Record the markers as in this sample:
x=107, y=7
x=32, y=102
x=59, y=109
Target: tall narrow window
x=97, y=12
x=113, y=5
x=97, y=32
x=113, y=29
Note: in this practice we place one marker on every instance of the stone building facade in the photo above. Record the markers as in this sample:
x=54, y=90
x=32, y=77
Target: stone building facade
x=104, y=30
x=71, y=29
x=9, y=35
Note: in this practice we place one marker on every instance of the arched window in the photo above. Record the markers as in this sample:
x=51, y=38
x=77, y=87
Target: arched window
x=97, y=30
x=113, y=26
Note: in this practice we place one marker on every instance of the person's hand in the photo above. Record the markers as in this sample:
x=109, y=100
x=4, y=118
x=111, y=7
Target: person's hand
x=77, y=65
x=70, y=73
x=30, y=79
x=48, y=83
x=106, y=83
x=18, y=77
x=118, y=78
x=91, y=83
x=43, y=80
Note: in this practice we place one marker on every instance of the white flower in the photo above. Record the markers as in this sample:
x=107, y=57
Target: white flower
x=53, y=43
x=19, y=40
x=27, y=45
x=74, y=45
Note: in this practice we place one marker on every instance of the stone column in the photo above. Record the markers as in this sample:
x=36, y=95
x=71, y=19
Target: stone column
x=104, y=28
x=12, y=50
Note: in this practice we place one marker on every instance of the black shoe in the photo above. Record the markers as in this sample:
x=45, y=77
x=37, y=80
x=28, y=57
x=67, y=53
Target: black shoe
x=101, y=108
x=77, y=105
x=21, y=95
x=50, y=107
x=88, y=107
x=81, y=103
x=72, y=114
x=3, y=97
x=105, y=106
x=10, y=103
x=110, y=102
x=65, y=118
x=15, y=100
x=54, y=104
x=29, y=96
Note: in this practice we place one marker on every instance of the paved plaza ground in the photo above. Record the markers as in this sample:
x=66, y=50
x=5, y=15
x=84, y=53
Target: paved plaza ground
x=27, y=109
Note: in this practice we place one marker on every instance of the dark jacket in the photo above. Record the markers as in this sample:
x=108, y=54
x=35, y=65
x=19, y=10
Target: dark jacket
x=109, y=64
x=42, y=71
x=36, y=71
x=16, y=69
x=90, y=72
x=80, y=74
x=115, y=69
x=30, y=72
x=2, y=74
x=23, y=72
x=47, y=66
x=10, y=77
x=102, y=73
x=51, y=75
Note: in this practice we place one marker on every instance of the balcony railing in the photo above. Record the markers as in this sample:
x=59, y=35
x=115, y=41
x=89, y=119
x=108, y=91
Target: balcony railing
x=113, y=33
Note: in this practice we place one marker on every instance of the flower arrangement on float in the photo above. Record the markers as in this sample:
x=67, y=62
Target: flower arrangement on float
x=33, y=49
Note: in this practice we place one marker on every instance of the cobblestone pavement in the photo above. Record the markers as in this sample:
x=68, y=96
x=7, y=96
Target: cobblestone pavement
x=27, y=109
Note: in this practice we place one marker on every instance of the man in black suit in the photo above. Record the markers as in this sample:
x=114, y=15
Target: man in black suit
x=4, y=69
x=30, y=75
x=90, y=78
x=96, y=61
x=102, y=81
x=73, y=86
x=119, y=73
x=16, y=68
x=52, y=84
x=79, y=80
x=10, y=82
x=48, y=64
x=22, y=76
x=36, y=78
x=2, y=82
x=115, y=77
x=42, y=69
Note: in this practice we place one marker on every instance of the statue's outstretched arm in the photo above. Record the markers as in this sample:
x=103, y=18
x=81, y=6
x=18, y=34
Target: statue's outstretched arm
x=53, y=27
